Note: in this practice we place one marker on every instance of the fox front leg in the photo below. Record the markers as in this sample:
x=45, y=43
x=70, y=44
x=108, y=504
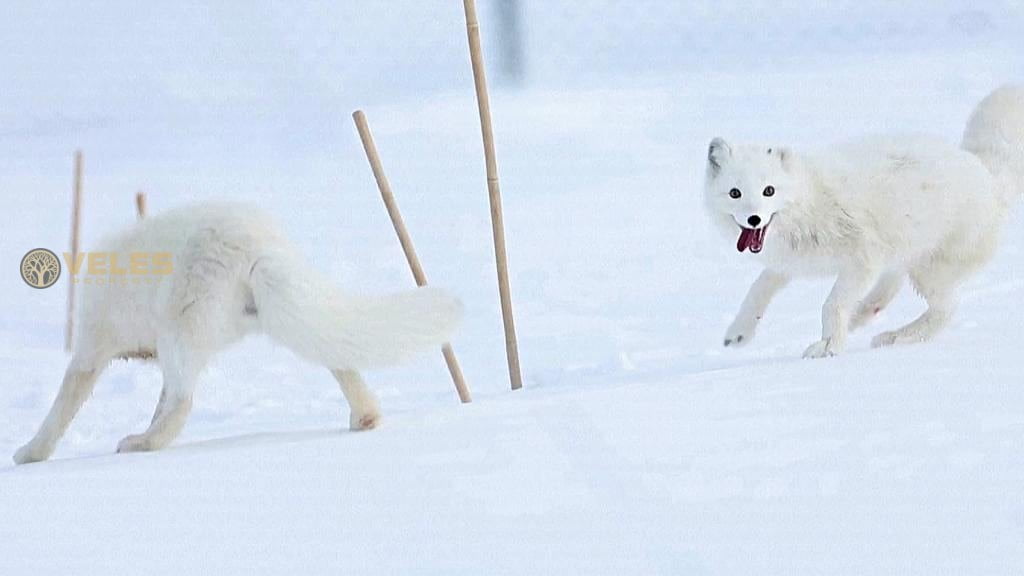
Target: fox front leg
x=761, y=293
x=851, y=285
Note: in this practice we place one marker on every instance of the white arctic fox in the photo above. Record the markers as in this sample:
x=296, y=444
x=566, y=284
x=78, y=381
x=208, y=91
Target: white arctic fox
x=233, y=274
x=872, y=213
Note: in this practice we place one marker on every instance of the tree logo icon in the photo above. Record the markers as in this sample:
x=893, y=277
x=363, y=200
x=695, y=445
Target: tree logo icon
x=40, y=268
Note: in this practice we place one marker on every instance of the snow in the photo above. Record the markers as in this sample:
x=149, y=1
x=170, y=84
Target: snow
x=639, y=444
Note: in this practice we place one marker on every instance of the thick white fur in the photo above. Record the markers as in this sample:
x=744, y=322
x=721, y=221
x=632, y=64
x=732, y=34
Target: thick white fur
x=872, y=213
x=234, y=274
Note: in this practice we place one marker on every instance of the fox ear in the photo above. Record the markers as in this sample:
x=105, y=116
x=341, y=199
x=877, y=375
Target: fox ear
x=718, y=153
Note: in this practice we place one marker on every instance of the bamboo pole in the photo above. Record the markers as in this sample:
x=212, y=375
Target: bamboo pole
x=76, y=218
x=140, y=204
x=406, y=241
x=494, y=193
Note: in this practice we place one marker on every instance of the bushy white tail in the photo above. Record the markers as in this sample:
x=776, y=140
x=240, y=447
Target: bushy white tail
x=995, y=134
x=311, y=317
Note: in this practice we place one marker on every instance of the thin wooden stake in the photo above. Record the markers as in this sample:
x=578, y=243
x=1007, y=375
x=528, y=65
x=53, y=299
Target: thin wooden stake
x=140, y=204
x=494, y=190
x=406, y=241
x=76, y=218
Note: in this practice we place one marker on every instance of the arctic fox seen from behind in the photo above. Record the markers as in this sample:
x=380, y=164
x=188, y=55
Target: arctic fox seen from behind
x=872, y=213
x=234, y=273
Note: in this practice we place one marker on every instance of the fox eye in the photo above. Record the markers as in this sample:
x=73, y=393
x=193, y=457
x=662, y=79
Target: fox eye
x=735, y=193
x=769, y=191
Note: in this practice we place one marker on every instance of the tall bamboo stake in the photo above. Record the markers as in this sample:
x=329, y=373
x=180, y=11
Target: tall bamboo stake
x=76, y=218
x=406, y=241
x=494, y=190
x=140, y=204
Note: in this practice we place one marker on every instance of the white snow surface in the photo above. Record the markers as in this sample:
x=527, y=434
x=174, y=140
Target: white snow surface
x=639, y=445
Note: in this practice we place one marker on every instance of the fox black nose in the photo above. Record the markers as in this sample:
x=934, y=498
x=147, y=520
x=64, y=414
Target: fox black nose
x=754, y=221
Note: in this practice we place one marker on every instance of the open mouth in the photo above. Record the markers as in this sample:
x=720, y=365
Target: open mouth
x=752, y=238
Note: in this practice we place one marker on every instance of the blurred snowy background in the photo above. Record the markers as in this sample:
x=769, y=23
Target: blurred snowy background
x=636, y=427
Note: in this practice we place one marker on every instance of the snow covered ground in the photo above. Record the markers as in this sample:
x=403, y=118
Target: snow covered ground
x=639, y=445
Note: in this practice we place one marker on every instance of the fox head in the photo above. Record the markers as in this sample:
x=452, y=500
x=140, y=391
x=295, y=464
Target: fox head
x=747, y=186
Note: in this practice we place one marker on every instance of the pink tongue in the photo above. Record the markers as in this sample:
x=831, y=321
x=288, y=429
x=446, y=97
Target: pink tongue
x=744, y=241
x=752, y=239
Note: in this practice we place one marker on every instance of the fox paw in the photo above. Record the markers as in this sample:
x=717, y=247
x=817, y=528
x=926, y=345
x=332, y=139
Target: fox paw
x=895, y=338
x=821, y=349
x=739, y=334
x=365, y=421
x=30, y=453
x=134, y=443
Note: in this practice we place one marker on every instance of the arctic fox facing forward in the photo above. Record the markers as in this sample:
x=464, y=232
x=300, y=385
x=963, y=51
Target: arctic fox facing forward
x=872, y=213
x=233, y=274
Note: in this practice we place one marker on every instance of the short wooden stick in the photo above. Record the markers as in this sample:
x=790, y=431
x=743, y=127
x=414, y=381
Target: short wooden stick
x=76, y=218
x=140, y=204
x=494, y=192
x=405, y=240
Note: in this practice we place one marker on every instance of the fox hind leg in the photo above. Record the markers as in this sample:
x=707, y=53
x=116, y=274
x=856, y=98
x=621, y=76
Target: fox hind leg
x=207, y=309
x=936, y=280
x=940, y=311
x=181, y=365
x=79, y=381
x=365, y=410
x=878, y=299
